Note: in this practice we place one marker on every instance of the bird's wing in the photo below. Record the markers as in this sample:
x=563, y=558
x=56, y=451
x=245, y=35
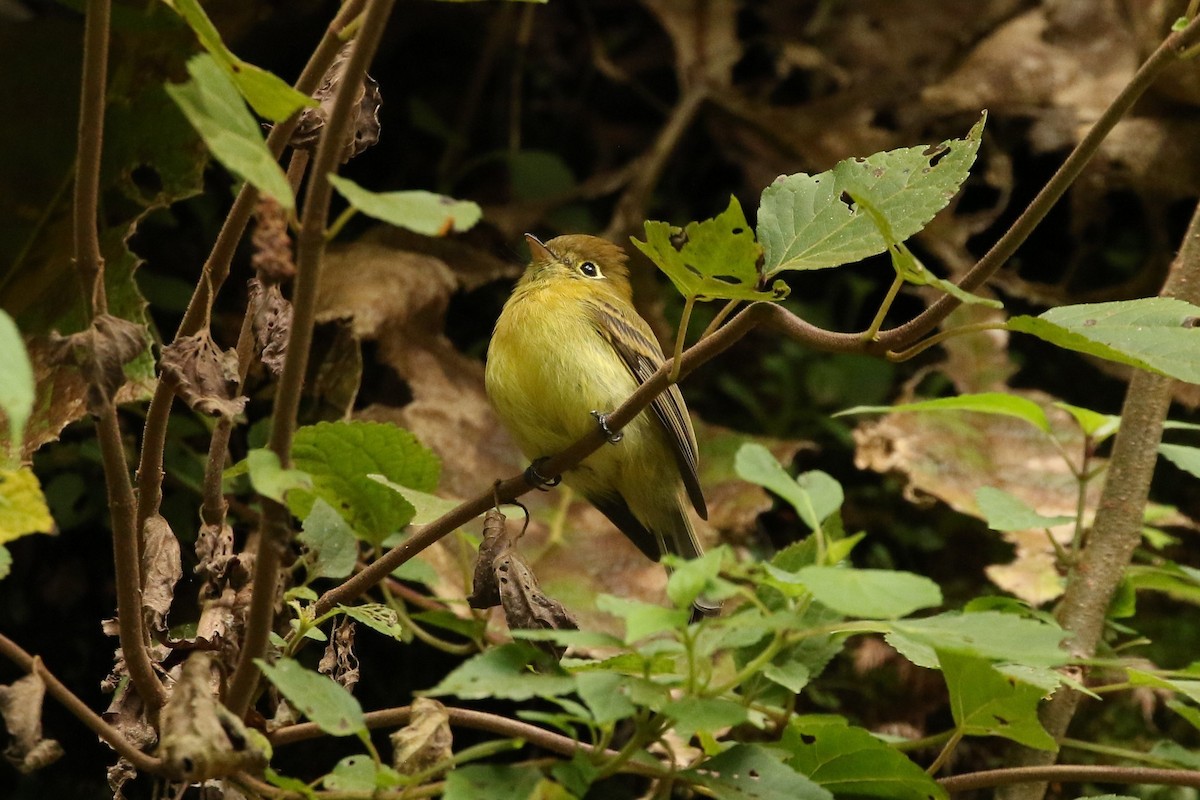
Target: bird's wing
x=634, y=342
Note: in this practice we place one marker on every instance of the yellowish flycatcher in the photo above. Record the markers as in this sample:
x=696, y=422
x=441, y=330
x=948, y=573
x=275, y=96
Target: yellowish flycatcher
x=570, y=346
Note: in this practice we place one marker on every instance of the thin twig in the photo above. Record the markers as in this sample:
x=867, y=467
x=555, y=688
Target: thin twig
x=1070, y=773
x=69, y=700
x=88, y=259
x=310, y=250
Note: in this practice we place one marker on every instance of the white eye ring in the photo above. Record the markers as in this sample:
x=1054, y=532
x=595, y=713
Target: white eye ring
x=590, y=269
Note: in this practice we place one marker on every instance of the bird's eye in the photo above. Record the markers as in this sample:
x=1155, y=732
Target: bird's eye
x=590, y=269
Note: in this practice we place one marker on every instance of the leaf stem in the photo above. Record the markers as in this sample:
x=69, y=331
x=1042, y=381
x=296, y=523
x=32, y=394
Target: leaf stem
x=941, y=336
x=946, y=751
x=872, y=330
x=680, y=336
x=721, y=316
x=88, y=259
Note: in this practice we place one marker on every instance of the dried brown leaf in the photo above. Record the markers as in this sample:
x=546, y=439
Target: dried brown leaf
x=21, y=707
x=201, y=739
x=119, y=774
x=204, y=376
x=127, y=713
x=704, y=33
x=339, y=661
x=364, y=128
x=272, y=260
x=425, y=741
x=101, y=352
x=161, y=570
x=272, y=323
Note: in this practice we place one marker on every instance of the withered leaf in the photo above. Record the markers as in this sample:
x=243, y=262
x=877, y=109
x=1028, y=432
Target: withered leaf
x=339, y=661
x=201, y=739
x=126, y=712
x=204, y=376
x=21, y=707
x=272, y=260
x=425, y=741
x=272, y=322
x=485, y=590
x=161, y=570
x=101, y=352
x=364, y=127
x=119, y=774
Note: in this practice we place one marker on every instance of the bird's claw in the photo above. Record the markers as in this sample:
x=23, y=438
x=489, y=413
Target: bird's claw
x=602, y=421
x=537, y=480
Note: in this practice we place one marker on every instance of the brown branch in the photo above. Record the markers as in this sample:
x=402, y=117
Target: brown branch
x=216, y=267
x=1070, y=773
x=310, y=250
x=142, y=761
x=1167, y=54
x=88, y=259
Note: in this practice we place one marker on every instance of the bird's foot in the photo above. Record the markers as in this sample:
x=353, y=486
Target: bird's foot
x=609, y=435
x=536, y=479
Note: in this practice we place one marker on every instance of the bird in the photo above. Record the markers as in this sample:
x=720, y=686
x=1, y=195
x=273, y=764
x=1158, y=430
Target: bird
x=568, y=347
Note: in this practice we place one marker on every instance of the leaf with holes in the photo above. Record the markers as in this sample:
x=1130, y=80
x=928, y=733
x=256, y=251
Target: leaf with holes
x=985, y=634
x=805, y=221
x=751, y=772
x=714, y=259
x=504, y=672
x=986, y=702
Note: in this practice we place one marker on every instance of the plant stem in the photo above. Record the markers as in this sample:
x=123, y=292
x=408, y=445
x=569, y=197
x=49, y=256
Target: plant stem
x=684, y=319
x=310, y=250
x=946, y=751
x=1117, y=528
x=721, y=316
x=1116, y=752
x=69, y=700
x=1070, y=773
x=88, y=260
x=941, y=336
x=873, y=330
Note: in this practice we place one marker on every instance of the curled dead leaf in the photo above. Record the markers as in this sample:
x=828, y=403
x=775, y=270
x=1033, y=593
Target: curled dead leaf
x=119, y=774
x=201, y=739
x=425, y=741
x=21, y=707
x=364, y=127
x=161, y=570
x=272, y=260
x=339, y=661
x=204, y=376
x=272, y=322
x=101, y=352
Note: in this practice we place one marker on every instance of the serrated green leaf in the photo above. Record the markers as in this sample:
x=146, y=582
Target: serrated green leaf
x=17, y=389
x=690, y=578
x=505, y=673
x=377, y=617
x=1185, y=457
x=642, y=619
x=718, y=259
x=1095, y=425
x=1159, y=334
x=1007, y=512
x=495, y=782
x=359, y=773
x=986, y=634
x=331, y=541
x=606, y=695
x=692, y=714
x=426, y=507
x=751, y=772
x=319, y=697
x=1008, y=405
x=425, y=213
x=815, y=495
x=870, y=593
x=213, y=106
x=340, y=456
x=23, y=508
x=985, y=702
x=270, y=96
x=271, y=480
x=850, y=761
x=803, y=222
x=790, y=674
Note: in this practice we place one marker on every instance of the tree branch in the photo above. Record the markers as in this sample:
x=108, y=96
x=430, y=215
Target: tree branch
x=1064, y=773
x=310, y=250
x=88, y=259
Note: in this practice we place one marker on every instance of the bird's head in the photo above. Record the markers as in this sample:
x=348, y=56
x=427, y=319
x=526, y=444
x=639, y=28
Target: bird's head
x=597, y=263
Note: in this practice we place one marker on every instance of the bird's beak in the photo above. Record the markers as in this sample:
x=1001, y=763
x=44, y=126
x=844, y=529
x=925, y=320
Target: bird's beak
x=539, y=251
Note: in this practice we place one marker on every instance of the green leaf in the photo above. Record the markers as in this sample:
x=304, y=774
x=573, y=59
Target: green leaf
x=271, y=480
x=213, y=106
x=1094, y=425
x=425, y=213
x=378, y=617
x=1158, y=334
x=358, y=773
x=692, y=714
x=985, y=702
x=17, y=388
x=870, y=593
x=1007, y=512
x=1182, y=456
x=791, y=674
x=606, y=695
x=319, y=697
x=986, y=634
x=426, y=507
x=718, y=258
x=289, y=783
x=850, y=761
x=330, y=540
x=751, y=772
x=642, y=619
x=340, y=456
x=23, y=508
x=495, y=782
x=1008, y=405
x=803, y=222
x=504, y=672
x=690, y=578
x=814, y=495
x=1188, y=712
x=270, y=96
x=1189, y=689
x=5, y=562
